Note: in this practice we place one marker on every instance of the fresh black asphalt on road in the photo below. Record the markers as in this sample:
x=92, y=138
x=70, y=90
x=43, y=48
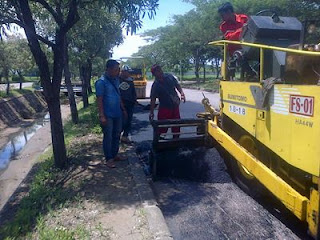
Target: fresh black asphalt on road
x=197, y=196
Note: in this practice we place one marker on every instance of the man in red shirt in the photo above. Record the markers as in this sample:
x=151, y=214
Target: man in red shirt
x=232, y=24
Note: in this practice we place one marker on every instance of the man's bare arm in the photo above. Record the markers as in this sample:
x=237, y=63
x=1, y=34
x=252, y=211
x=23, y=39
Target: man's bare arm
x=183, y=97
x=152, y=106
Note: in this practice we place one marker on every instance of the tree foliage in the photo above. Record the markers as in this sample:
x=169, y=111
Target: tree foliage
x=97, y=32
x=186, y=40
x=21, y=57
x=49, y=21
x=15, y=58
x=183, y=42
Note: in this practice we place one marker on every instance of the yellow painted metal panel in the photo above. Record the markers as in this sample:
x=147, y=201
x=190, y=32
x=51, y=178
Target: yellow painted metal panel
x=313, y=213
x=239, y=104
x=140, y=82
x=284, y=192
x=262, y=46
x=293, y=136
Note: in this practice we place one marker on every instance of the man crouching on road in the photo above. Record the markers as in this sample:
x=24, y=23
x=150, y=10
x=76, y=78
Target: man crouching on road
x=164, y=88
x=110, y=111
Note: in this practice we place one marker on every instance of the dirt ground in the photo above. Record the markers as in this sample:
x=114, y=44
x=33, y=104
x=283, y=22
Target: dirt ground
x=18, y=113
x=98, y=202
x=107, y=203
x=19, y=167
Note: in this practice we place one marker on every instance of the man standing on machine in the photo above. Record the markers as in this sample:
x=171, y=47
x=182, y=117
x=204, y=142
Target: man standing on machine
x=232, y=24
x=232, y=27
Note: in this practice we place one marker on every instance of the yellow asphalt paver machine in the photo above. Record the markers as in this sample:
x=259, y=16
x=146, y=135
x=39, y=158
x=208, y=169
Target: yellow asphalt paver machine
x=138, y=73
x=269, y=114
x=269, y=117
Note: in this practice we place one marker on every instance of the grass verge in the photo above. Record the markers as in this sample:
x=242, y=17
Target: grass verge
x=210, y=85
x=16, y=92
x=48, y=189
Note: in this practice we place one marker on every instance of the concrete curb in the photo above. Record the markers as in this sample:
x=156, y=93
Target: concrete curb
x=156, y=222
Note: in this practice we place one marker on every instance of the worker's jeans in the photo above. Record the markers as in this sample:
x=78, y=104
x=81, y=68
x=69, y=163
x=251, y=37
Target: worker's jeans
x=111, y=137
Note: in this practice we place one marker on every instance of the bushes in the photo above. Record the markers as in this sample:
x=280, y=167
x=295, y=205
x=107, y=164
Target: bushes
x=16, y=78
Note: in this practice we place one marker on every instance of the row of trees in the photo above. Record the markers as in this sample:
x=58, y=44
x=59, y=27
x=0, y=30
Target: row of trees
x=64, y=35
x=15, y=60
x=58, y=29
x=184, y=43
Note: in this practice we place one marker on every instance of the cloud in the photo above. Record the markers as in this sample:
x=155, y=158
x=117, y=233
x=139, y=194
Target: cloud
x=130, y=45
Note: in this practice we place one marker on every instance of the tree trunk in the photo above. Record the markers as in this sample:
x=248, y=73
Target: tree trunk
x=197, y=65
x=57, y=134
x=85, y=70
x=89, y=87
x=180, y=68
x=8, y=82
x=67, y=75
x=51, y=89
x=204, y=71
x=196, y=69
x=217, y=60
x=20, y=79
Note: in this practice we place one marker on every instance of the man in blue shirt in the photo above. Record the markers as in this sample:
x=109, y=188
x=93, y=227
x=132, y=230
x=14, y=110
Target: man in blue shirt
x=110, y=111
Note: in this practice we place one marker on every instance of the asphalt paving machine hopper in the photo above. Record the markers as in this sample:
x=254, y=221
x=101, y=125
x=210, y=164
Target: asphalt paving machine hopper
x=273, y=31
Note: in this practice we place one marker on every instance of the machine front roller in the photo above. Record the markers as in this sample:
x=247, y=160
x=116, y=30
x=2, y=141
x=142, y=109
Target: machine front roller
x=314, y=214
x=241, y=175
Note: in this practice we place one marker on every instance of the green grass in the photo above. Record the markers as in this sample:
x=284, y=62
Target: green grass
x=46, y=192
x=25, y=79
x=31, y=79
x=88, y=121
x=47, y=233
x=193, y=77
x=211, y=84
x=16, y=92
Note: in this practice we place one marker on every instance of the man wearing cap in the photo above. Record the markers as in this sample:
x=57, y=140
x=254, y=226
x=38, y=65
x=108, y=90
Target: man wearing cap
x=164, y=88
x=129, y=98
x=231, y=28
x=110, y=109
x=232, y=24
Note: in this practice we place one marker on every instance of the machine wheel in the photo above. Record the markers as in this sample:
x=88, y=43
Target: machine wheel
x=242, y=176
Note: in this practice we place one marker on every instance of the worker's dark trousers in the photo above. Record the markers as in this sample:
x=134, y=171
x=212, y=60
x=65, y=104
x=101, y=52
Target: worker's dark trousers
x=127, y=122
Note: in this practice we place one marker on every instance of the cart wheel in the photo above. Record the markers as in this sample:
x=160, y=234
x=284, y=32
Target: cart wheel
x=242, y=176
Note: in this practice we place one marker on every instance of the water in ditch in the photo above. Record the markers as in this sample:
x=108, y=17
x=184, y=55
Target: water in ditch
x=17, y=142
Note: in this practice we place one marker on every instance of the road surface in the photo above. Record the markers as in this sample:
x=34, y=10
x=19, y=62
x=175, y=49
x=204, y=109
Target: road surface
x=204, y=202
x=3, y=86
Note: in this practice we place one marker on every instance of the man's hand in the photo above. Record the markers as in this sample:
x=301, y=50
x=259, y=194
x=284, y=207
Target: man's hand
x=103, y=120
x=183, y=97
x=151, y=116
